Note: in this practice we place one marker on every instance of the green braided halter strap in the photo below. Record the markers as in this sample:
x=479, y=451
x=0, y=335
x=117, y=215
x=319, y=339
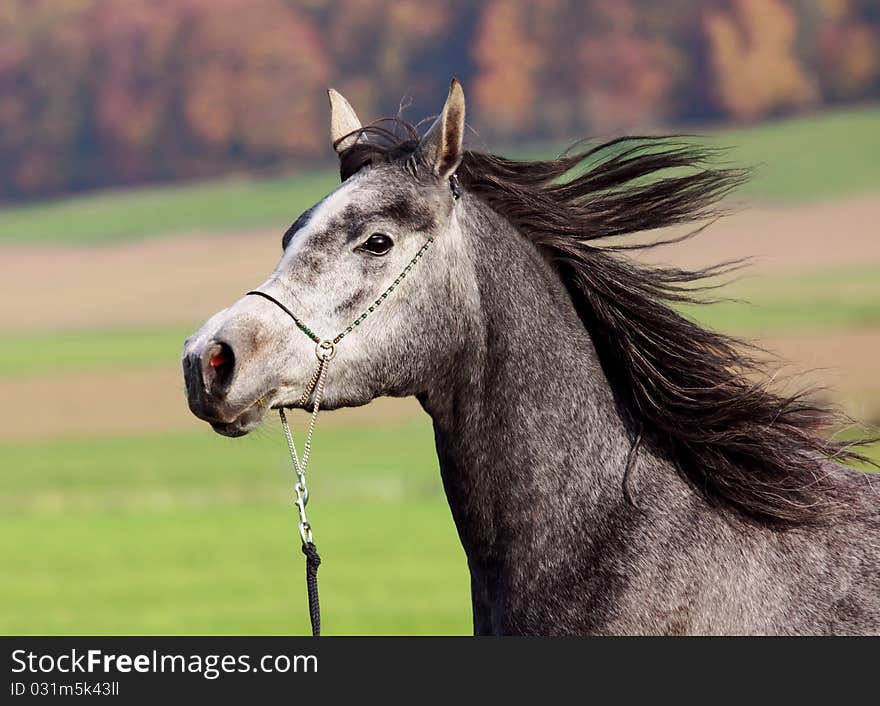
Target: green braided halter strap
x=327, y=344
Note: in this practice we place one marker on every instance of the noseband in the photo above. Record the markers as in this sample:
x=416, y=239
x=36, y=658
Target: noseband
x=325, y=351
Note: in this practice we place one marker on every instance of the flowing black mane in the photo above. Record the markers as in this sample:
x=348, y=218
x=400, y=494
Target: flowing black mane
x=698, y=397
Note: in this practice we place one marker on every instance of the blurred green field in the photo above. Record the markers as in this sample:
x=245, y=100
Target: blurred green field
x=72, y=351
x=194, y=534
x=188, y=532
x=223, y=205
x=814, y=301
x=827, y=155
x=798, y=159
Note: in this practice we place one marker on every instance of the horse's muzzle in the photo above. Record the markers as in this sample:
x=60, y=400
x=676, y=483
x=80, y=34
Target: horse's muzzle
x=209, y=369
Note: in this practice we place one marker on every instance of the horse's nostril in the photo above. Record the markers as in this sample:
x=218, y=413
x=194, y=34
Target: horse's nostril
x=219, y=360
x=220, y=365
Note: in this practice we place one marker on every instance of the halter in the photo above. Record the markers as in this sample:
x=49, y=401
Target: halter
x=325, y=351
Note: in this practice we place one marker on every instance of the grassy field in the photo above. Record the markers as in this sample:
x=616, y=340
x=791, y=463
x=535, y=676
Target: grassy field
x=101, y=349
x=801, y=159
x=824, y=156
x=181, y=531
x=824, y=301
x=225, y=205
x=133, y=535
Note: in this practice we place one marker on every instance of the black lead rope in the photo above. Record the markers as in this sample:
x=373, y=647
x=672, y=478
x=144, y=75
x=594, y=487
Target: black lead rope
x=313, y=561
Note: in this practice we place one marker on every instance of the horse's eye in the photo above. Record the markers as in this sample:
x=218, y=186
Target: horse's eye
x=377, y=244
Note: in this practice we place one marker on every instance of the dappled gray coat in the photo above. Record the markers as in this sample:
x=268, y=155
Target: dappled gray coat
x=611, y=466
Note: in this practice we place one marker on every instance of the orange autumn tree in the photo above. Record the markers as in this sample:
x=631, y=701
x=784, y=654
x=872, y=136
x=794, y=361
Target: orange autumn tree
x=45, y=57
x=249, y=79
x=845, y=47
x=627, y=67
x=383, y=51
x=755, y=67
x=505, y=88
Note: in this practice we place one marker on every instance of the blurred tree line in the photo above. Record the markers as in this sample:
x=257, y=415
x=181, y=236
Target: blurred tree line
x=97, y=92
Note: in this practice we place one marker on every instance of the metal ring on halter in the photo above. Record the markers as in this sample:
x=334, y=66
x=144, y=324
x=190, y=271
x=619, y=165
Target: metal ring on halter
x=325, y=350
x=305, y=532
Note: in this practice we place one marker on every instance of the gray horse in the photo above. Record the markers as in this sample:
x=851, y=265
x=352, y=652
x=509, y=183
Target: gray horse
x=611, y=467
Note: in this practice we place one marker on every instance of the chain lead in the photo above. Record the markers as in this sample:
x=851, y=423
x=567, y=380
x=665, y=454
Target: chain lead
x=301, y=489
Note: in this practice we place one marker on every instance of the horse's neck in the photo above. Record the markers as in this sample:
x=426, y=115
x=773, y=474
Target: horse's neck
x=529, y=441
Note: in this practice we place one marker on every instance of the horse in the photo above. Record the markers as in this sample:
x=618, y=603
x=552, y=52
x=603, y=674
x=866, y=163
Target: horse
x=611, y=466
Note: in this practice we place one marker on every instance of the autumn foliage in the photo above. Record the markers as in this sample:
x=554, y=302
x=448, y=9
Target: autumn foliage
x=98, y=92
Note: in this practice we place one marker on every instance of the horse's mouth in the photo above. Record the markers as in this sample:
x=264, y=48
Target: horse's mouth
x=238, y=422
x=239, y=427
x=244, y=422
x=252, y=416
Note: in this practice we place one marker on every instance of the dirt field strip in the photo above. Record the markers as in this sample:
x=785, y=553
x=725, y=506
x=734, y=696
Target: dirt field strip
x=151, y=400
x=846, y=362
x=152, y=282
x=184, y=279
x=828, y=235
x=135, y=402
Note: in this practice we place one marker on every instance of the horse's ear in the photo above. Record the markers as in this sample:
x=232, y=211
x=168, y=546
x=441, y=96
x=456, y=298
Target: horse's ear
x=441, y=147
x=344, y=122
